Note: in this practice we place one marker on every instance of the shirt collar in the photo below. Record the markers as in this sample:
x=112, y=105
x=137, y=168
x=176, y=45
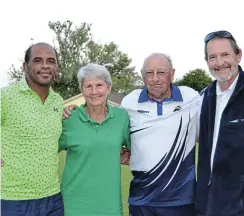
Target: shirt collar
x=23, y=85
x=175, y=96
x=85, y=117
x=231, y=88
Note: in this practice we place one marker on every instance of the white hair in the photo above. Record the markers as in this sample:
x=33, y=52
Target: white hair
x=93, y=70
x=156, y=55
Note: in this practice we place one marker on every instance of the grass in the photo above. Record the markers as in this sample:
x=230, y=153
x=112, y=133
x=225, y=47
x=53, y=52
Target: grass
x=125, y=181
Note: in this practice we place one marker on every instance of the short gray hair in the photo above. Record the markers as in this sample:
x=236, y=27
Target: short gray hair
x=93, y=70
x=156, y=55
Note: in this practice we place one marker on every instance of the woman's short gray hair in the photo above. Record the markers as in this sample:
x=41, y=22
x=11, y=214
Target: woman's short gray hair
x=93, y=70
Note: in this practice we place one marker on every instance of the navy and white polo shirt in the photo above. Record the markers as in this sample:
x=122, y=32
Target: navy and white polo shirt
x=162, y=147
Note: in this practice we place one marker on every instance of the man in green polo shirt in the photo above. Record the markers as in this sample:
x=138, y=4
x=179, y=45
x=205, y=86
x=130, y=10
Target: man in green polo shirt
x=31, y=124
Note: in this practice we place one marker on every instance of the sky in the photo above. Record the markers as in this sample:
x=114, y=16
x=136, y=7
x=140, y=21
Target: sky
x=173, y=27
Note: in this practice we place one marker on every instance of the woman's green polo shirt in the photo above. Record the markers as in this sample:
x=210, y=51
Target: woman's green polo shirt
x=91, y=184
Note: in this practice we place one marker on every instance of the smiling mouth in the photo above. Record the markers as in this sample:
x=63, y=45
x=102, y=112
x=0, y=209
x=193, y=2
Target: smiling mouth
x=44, y=75
x=157, y=86
x=221, y=69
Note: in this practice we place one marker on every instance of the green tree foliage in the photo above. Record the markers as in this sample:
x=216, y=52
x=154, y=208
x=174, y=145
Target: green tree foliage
x=71, y=43
x=117, y=63
x=197, y=79
x=76, y=48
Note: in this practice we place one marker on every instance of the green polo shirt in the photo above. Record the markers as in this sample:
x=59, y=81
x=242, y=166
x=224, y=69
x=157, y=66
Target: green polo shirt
x=30, y=130
x=91, y=183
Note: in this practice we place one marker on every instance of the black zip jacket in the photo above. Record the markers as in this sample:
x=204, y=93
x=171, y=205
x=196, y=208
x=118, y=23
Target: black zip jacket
x=221, y=192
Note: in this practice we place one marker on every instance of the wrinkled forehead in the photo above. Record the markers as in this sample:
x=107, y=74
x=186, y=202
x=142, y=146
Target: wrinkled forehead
x=155, y=62
x=43, y=50
x=217, y=45
x=92, y=80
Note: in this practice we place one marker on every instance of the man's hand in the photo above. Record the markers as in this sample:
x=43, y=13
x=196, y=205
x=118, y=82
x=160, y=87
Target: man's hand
x=68, y=109
x=125, y=156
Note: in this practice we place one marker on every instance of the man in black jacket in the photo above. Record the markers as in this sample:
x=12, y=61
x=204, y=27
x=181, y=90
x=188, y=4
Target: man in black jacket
x=220, y=177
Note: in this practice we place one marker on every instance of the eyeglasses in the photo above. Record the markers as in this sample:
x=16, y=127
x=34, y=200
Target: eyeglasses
x=159, y=73
x=220, y=34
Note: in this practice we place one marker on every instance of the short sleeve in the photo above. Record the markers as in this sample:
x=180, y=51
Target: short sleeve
x=63, y=140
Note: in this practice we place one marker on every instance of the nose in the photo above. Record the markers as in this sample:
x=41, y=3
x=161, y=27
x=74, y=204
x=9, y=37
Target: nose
x=45, y=64
x=94, y=90
x=155, y=77
x=220, y=61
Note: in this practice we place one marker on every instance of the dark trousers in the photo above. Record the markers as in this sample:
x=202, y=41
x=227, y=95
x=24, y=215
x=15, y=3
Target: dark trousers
x=184, y=210
x=48, y=206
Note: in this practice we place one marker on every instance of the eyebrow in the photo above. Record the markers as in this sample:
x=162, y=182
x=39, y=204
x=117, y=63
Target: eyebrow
x=49, y=58
x=224, y=52
x=150, y=69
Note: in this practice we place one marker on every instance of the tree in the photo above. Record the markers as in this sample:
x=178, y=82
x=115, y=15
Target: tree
x=76, y=47
x=197, y=79
x=71, y=47
x=16, y=74
x=123, y=76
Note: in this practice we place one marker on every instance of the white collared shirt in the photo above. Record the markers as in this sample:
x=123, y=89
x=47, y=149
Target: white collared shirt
x=222, y=98
x=153, y=135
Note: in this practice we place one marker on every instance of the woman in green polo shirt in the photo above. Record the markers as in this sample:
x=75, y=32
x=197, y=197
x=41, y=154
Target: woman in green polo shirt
x=93, y=137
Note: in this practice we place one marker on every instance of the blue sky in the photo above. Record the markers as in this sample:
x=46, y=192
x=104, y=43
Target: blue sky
x=174, y=27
